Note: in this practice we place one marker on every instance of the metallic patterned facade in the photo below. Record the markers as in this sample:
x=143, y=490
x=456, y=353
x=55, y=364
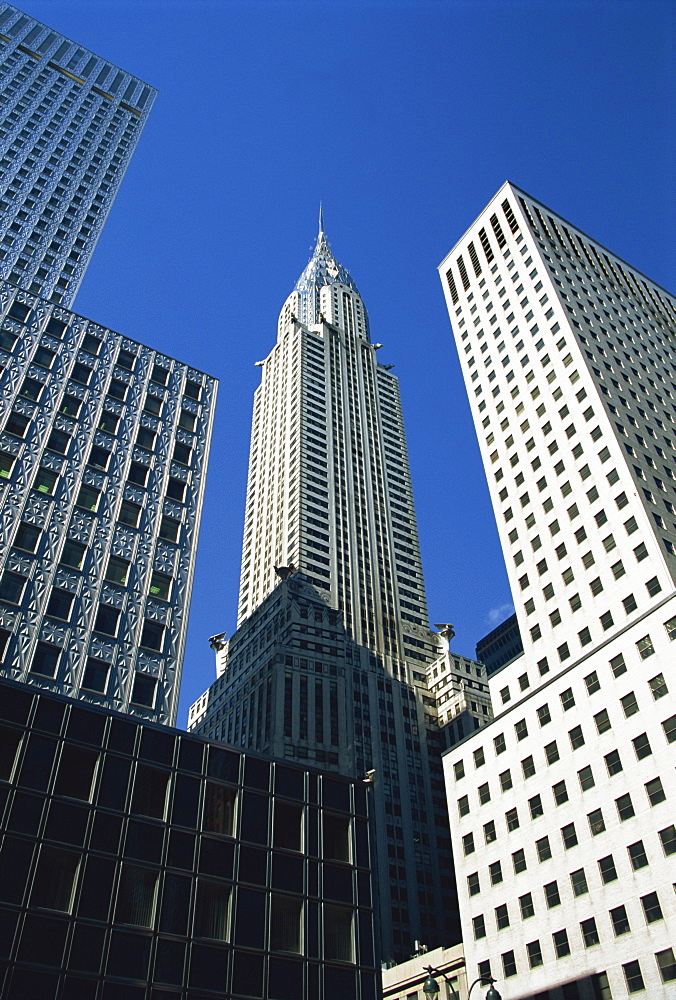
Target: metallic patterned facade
x=70, y=123
x=331, y=656
x=103, y=452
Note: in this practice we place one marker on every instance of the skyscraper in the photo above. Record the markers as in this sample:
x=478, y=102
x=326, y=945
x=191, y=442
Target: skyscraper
x=71, y=121
x=330, y=659
x=563, y=807
x=103, y=442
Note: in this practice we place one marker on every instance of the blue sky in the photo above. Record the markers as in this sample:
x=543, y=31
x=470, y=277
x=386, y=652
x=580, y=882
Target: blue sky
x=404, y=118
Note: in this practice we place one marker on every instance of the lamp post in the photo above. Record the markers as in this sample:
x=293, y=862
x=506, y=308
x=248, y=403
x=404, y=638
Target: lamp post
x=431, y=986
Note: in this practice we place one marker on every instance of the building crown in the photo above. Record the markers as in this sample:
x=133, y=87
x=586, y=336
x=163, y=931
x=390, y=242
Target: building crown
x=322, y=269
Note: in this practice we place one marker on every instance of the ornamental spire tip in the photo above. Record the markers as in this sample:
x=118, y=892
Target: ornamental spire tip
x=321, y=220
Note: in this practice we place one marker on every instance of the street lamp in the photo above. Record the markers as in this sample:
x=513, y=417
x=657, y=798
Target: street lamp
x=431, y=986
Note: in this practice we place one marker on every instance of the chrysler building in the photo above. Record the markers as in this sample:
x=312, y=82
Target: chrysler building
x=329, y=662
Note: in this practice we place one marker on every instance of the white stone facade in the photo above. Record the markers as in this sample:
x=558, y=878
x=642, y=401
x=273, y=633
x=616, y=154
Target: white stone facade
x=562, y=809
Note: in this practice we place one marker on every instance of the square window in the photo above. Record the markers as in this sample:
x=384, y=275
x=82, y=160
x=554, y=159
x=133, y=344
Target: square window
x=117, y=571
x=58, y=442
x=45, y=659
x=98, y=458
x=637, y=855
x=60, y=604
x=586, y=778
x=526, y=905
x=578, y=881
x=16, y=424
x=126, y=360
x=596, y=822
x=73, y=554
x=81, y=373
x=90, y=344
x=642, y=746
x=129, y=513
x=45, y=481
x=145, y=438
x=543, y=848
x=26, y=537
x=192, y=389
x=138, y=473
x=613, y=763
x=12, y=587
x=88, y=498
x=633, y=977
x=95, y=677
x=186, y=420
x=117, y=389
x=143, y=692
x=160, y=586
x=152, y=635
x=159, y=375
x=106, y=620
x=31, y=389
x=70, y=406
x=620, y=921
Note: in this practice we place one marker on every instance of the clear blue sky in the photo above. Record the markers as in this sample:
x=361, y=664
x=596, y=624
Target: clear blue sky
x=404, y=118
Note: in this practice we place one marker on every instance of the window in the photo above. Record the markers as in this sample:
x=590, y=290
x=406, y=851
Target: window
x=473, y=884
x=145, y=438
x=55, y=879
x=512, y=820
x=45, y=659
x=578, y=881
x=560, y=792
x=521, y=729
x=618, y=666
x=70, y=406
x=506, y=780
x=658, y=687
x=642, y=746
x=176, y=489
x=463, y=805
x=153, y=405
x=508, y=964
x=534, y=954
x=590, y=935
x=669, y=727
x=117, y=571
x=499, y=744
x=543, y=848
x=26, y=537
x=629, y=704
x=106, y=620
x=192, y=389
x=88, y=498
x=169, y=529
x=81, y=373
x=633, y=977
x=73, y=554
x=543, y=714
x=607, y=869
x=117, y=389
x=645, y=647
x=519, y=861
x=58, y=442
x=16, y=424
x=6, y=463
x=567, y=699
x=479, y=927
x=479, y=758
x=45, y=481
x=596, y=822
x=501, y=917
x=95, y=677
x=602, y=720
x=666, y=963
x=495, y=871
x=535, y=806
x=186, y=420
x=552, y=894
x=125, y=359
x=143, y=692
x=159, y=375
x=489, y=832
x=561, y=945
x=459, y=770
x=569, y=836
x=586, y=778
x=129, y=513
x=655, y=791
x=552, y=752
x=138, y=473
x=576, y=738
x=152, y=635
x=668, y=838
x=31, y=389
x=629, y=604
x=468, y=844
x=528, y=767
x=637, y=855
x=613, y=762
x=60, y=603
x=136, y=896
x=653, y=587
x=651, y=907
x=620, y=920
x=12, y=587
x=526, y=905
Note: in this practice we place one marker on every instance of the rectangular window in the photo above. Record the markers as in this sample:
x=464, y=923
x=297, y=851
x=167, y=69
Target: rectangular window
x=666, y=963
x=535, y=806
x=590, y=935
x=637, y=855
x=642, y=746
x=576, y=738
x=607, y=869
x=152, y=635
x=645, y=647
x=578, y=881
x=159, y=375
x=473, y=886
x=569, y=836
x=526, y=905
x=88, y=498
x=484, y=794
x=543, y=848
x=629, y=704
x=519, y=861
x=506, y=780
x=658, y=686
x=543, y=714
x=145, y=438
x=567, y=699
x=499, y=744
x=596, y=822
x=479, y=758
x=55, y=879
x=560, y=792
x=509, y=964
x=651, y=907
x=586, y=778
x=561, y=945
x=534, y=954
x=552, y=752
x=620, y=920
x=655, y=791
x=501, y=917
x=129, y=513
x=45, y=659
x=602, y=720
x=633, y=977
x=479, y=927
x=45, y=481
x=152, y=405
x=521, y=729
x=528, y=767
x=495, y=871
x=512, y=820
x=613, y=762
x=552, y=894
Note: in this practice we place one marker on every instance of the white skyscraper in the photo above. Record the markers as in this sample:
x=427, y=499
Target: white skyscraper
x=329, y=663
x=563, y=808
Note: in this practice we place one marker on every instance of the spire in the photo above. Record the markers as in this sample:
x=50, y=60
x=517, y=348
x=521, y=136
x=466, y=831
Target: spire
x=321, y=220
x=322, y=269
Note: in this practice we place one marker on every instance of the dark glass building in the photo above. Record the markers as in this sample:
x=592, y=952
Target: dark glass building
x=141, y=863
x=500, y=646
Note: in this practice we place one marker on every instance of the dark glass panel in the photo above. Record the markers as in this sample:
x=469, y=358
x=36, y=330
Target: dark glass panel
x=37, y=763
x=157, y=746
x=129, y=955
x=287, y=873
x=285, y=979
x=288, y=826
x=181, y=853
x=216, y=857
x=175, y=904
x=256, y=773
x=66, y=823
x=15, y=705
x=338, y=883
x=186, y=801
x=253, y=865
x=169, y=962
x=190, y=755
x=122, y=735
x=254, y=825
x=335, y=794
x=209, y=968
x=144, y=842
x=87, y=948
x=26, y=814
x=96, y=891
x=15, y=858
x=43, y=940
x=250, y=922
x=114, y=781
x=289, y=781
x=223, y=765
x=48, y=715
x=105, y=835
x=86, y=727
x=247, y=974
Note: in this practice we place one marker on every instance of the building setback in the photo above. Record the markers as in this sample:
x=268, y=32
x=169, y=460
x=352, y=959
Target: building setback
x=138, y=863
x=330, y=509
x=71, y=121
x=563, y=807
x=103, y=452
